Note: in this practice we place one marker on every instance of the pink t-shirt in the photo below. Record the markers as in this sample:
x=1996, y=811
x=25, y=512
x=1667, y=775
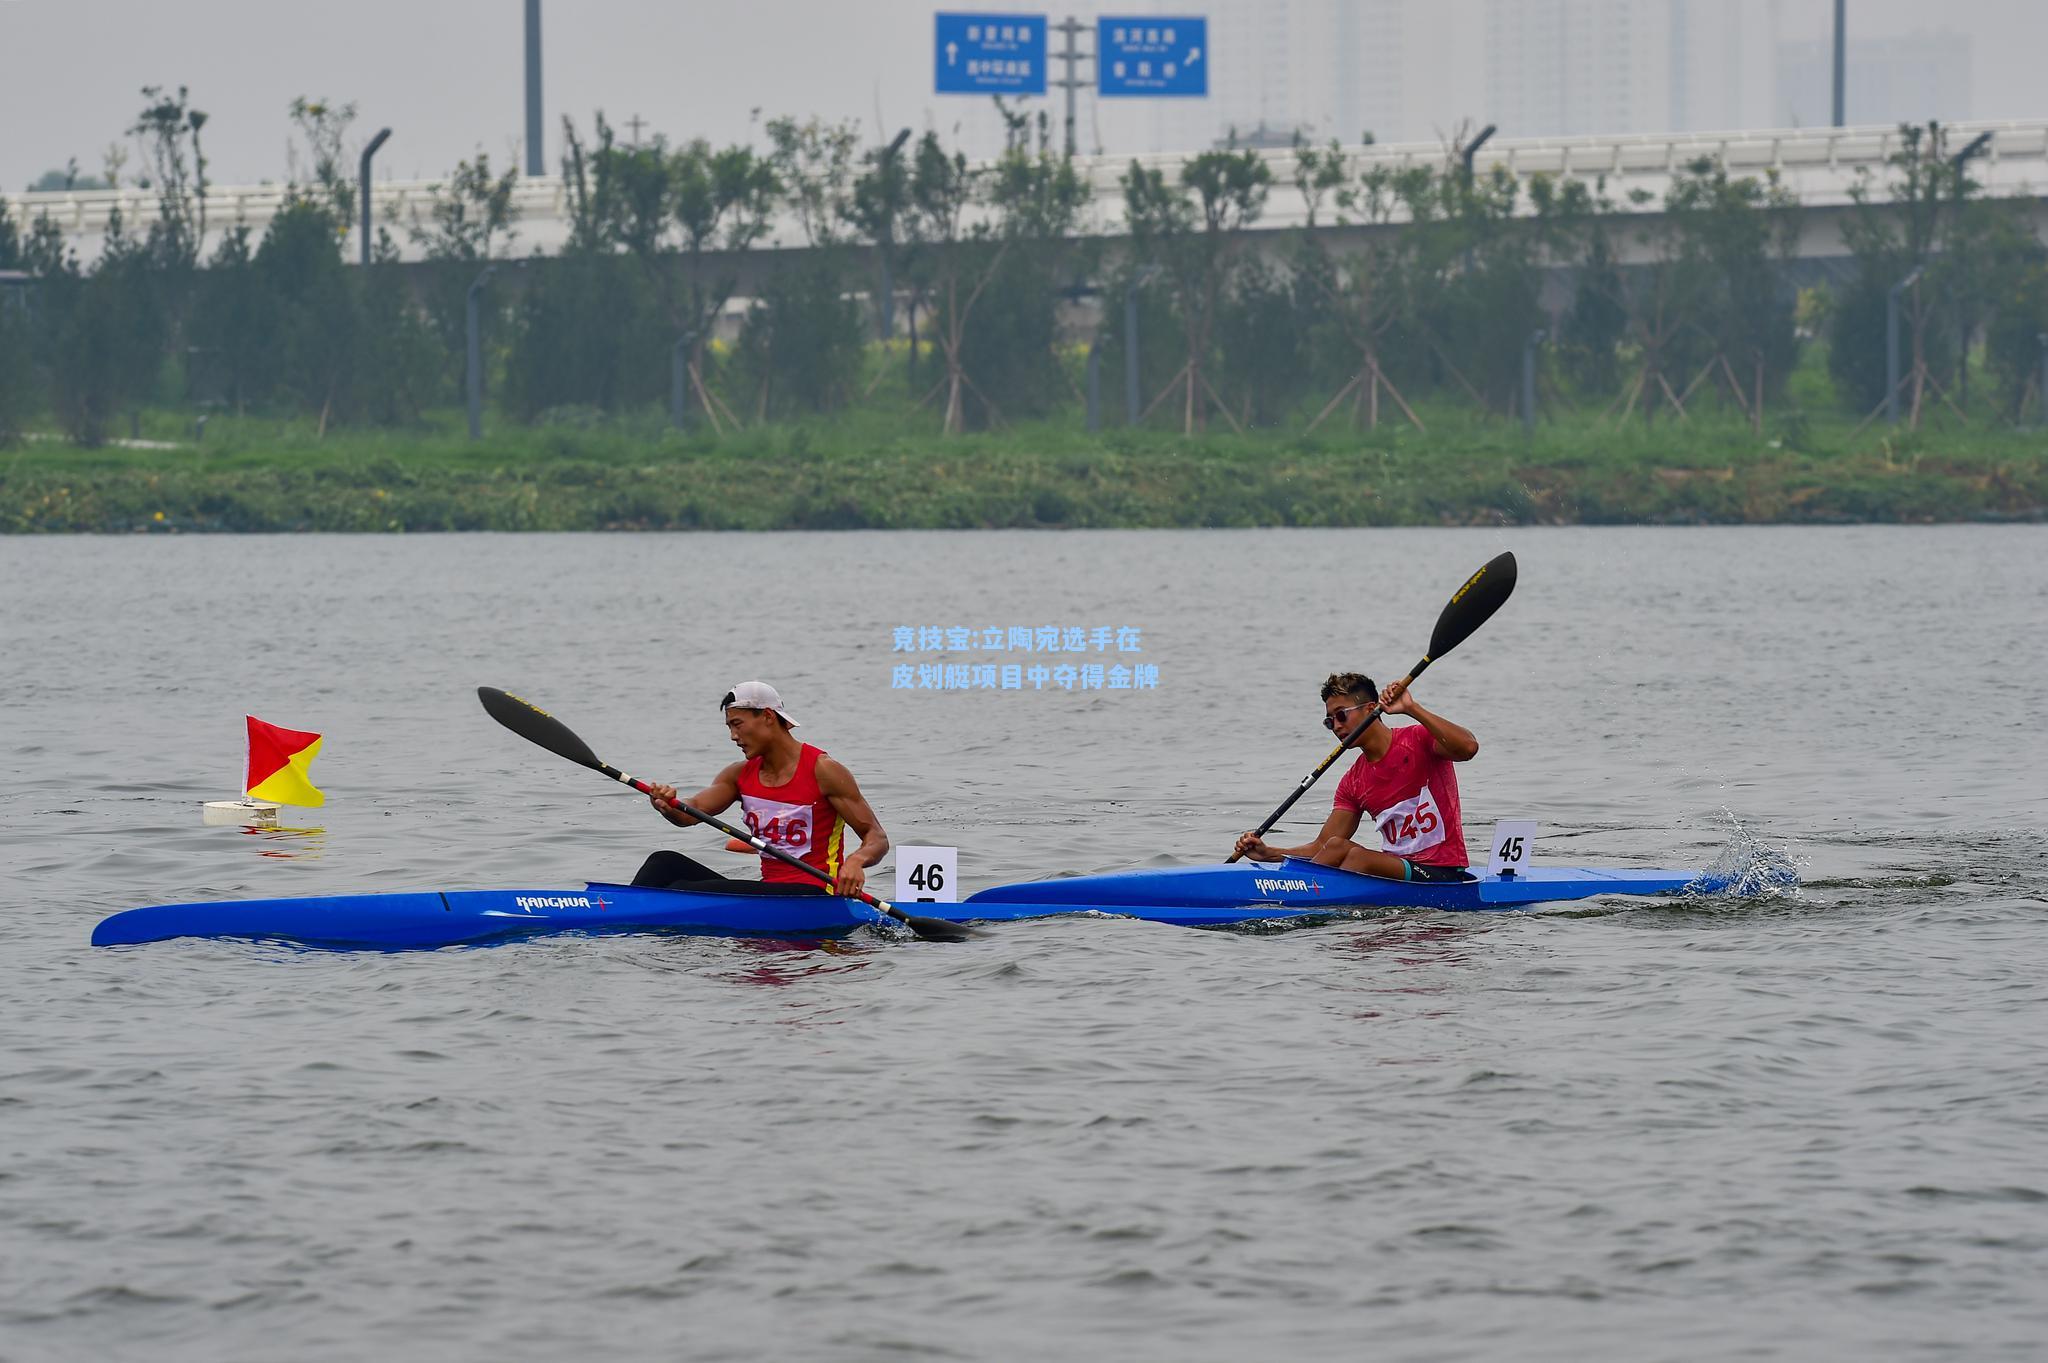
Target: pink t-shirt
x=1412, y=794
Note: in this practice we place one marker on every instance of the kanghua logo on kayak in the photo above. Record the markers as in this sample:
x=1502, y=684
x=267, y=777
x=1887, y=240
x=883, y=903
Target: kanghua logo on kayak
x=1266, y=885
x=530, y=902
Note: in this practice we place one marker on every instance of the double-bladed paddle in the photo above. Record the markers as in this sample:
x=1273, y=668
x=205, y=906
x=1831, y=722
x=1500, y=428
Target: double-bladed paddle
x=536, y=725
x=1469, y=608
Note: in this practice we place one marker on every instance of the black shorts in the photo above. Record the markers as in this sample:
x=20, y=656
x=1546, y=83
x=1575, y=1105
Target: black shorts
x=1435, y=875
x=674, y=871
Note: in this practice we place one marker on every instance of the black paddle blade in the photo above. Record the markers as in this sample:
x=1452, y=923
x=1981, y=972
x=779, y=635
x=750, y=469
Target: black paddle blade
x=938, y=929
x=536, y=725
x=1472, y=605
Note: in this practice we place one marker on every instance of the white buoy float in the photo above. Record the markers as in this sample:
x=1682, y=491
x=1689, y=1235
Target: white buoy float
x=242, y=813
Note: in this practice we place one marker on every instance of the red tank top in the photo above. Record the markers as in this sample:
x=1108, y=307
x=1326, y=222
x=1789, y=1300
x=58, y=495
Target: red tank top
x=796, y=818
x=1412, y=794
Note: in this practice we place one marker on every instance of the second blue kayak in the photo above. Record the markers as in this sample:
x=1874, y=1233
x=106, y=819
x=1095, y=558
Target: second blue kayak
x=1208, y=896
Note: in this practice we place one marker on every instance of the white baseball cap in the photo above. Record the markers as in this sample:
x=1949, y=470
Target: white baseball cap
x=757, y=695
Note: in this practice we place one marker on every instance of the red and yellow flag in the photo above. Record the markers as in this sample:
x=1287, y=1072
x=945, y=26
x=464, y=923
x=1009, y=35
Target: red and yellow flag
x=278, y=759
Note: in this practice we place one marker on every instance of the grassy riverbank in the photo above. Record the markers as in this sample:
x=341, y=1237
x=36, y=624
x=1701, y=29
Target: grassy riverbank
x=864, y=470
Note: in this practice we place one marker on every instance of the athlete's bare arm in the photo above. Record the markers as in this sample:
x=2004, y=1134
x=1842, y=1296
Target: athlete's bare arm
x=1341, y=824
x=715, y=798
x=843, y=793
x=1453, y=741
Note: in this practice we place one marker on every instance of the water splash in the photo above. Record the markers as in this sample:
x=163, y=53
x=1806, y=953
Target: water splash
x=1748, y=866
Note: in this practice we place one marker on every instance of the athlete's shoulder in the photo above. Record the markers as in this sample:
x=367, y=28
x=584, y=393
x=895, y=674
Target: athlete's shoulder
x=831, y=771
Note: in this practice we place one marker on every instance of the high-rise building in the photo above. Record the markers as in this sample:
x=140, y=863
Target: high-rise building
x=1723, y=65
x=1565, y=67
x=1906, y=79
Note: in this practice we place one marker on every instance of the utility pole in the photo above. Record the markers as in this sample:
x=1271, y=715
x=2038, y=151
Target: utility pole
x=1841, y=59
x=1472, y=148
x=885, y=239
x=534, y=162
x=1961, y=177
x=363, y=186
x=1529, y=382
x=1070, y=55
x=473, y=368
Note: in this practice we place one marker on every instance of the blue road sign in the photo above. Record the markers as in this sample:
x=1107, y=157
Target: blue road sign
x=989, y=54
x=1150, y=54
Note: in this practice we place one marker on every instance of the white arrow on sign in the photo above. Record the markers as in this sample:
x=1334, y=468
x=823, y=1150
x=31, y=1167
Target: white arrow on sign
x=1194, y=55
x=952, y=53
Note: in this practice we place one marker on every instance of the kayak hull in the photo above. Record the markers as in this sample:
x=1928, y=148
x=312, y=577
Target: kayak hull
x=430, y=919
x=1209, y=896
x=1189, y=896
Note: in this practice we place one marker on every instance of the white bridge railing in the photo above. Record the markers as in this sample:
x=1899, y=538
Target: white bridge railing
x=1820, y=165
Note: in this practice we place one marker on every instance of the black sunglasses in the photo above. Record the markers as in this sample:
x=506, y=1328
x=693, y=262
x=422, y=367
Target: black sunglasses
x=1330, y=720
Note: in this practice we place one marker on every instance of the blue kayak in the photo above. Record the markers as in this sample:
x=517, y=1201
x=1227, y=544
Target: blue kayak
x=1191, y=896
x=436, y=919
x=1210, y=896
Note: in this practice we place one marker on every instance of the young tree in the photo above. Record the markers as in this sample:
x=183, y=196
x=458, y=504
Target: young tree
x=1468, y=276
x=585, y=335
x=109, y=339
x=723, y=202
x=1035, y=198
x=323, y=126
x=1738, y=234
x=470, y=212
x=312, y=308
x=17, y=359
x=168, y=128
x=959, y=260
x=232, y=325
x=1358, y=294
x=802, y=340
x=1893, y=229
x=1193, y=231
x=1583, y=235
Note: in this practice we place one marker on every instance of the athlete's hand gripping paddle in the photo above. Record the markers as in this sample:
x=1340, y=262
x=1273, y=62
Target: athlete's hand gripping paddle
x=1469, y=608
x=536, y=725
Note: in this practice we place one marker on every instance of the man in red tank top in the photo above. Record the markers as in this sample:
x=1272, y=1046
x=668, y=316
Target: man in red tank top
x=791, y=795
x=1403, y=779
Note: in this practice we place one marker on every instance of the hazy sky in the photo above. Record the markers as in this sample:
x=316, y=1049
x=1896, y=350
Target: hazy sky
x=447, y=75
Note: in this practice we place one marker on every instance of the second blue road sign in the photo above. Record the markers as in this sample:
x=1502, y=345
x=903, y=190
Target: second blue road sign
x=1152, y=54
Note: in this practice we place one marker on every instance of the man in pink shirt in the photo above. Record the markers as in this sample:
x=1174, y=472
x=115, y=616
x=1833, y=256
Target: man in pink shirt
x=1404, y=779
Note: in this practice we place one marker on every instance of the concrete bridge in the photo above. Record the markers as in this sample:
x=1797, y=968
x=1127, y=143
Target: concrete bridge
x=1819, y=165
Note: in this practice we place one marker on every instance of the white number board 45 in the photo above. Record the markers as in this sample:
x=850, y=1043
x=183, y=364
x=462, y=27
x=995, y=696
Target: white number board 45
x=927, y=875
x=1514, y=847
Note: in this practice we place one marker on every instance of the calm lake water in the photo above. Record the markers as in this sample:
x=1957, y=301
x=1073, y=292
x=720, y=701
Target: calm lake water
x=1804, y=1125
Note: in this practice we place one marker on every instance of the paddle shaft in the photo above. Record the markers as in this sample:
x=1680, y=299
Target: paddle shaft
x=1350, y=739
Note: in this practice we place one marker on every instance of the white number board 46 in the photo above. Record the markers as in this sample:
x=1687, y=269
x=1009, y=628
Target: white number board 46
x=1514, y=847
x=927, y=875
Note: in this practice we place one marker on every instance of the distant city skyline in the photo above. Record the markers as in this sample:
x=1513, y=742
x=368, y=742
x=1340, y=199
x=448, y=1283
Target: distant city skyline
x=447, y=76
